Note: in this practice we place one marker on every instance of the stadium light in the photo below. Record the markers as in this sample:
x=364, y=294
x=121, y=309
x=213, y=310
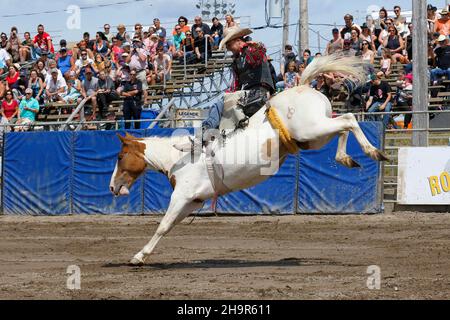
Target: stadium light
x=218, y=8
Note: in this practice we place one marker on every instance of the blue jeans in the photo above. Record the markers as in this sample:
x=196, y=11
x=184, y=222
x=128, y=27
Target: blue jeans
x=214, y=116
x=37, y=52
x=217, y=41
x=375, y=107
x=438, y=72
x=279, y=85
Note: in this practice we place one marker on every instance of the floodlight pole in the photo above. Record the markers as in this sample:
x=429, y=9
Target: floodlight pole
x=303, y=41
x=286, y=12
x=420, y=73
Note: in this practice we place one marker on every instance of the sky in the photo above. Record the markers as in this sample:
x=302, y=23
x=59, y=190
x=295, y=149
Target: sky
x=92, y=20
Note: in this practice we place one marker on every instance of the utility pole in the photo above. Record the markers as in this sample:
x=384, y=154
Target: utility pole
x=286, y=12
x=318, y=41
x=303, y=41
x=420, y=71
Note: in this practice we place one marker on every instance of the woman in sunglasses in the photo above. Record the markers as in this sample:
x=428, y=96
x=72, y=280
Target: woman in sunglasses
x=367, y=55
x=383, y=35
x=183, y=24
x=395, y=44
x=4, y=43
x=188, y=45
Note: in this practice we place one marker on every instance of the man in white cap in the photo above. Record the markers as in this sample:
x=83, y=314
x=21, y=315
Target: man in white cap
x=137, y=60
x=442, y=53
x=56, y=88
x=251, y=74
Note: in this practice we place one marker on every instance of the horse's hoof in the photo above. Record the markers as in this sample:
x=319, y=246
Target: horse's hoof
x=378, y=155
x=136, y=262
x=348, y=162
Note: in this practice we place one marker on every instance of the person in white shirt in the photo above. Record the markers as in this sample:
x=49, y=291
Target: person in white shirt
x=108, y=33
x=5, y=60
x=56, y=89
x=48, y=77
x=137, y=60
x=83, y=62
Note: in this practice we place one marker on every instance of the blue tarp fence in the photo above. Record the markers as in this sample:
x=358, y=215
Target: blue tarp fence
x=62, y=173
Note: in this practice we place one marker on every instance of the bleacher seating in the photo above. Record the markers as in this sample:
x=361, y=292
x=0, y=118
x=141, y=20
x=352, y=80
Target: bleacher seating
x=439, y=95
x=195, y=73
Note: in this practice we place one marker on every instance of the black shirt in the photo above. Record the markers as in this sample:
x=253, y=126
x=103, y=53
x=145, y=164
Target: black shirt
x=189, y=45
x=200, y=44
x=443, y=57
x=380, y=92
x=219, y=29
x=346, y=30
x=204, y=27
x=128, y=86
x=90, y=44
x=409, y=47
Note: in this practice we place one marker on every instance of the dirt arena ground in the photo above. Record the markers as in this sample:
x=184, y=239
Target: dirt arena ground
x=294, y=257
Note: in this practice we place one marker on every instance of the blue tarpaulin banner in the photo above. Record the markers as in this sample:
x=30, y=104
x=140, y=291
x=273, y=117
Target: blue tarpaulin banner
x=37, y=173
x=276, y=195
x=57, y=173
x=95, y=155
x=328, y=187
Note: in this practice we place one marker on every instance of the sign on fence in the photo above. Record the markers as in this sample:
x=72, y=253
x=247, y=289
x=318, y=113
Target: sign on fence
x=424, y=176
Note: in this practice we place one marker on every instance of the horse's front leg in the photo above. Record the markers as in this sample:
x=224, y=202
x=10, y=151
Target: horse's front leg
x=179, y=209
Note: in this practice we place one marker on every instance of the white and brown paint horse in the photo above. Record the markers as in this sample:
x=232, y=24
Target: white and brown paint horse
x=306, y=114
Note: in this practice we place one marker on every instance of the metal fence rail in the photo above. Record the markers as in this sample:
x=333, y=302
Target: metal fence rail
x=394, y=139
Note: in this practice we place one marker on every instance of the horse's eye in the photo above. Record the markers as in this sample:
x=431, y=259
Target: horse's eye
x=120, y=157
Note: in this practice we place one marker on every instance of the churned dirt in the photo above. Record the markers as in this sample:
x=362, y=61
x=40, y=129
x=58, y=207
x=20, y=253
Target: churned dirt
x=270, y=257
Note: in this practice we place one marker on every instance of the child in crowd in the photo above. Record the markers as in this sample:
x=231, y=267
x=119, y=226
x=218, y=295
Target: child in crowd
x=386, y=62
x=291, y=77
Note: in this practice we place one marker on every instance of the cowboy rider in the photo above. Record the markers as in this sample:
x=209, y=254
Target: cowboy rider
x=252, y=74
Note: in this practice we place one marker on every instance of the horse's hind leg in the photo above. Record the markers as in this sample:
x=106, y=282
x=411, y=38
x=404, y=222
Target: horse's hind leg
x=341, y=155
x=179, y=209
x=366, y=146
x=320, y=133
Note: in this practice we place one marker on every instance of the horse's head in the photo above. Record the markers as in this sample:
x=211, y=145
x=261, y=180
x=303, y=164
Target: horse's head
x=130, y=165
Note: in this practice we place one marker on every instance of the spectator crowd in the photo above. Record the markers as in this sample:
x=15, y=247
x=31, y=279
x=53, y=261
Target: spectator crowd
x=387, y=39
x=109, y=66
x=123, y=63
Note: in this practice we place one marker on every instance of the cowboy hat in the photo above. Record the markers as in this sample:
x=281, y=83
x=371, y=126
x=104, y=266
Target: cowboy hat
x=233, y=33
x=442, y=37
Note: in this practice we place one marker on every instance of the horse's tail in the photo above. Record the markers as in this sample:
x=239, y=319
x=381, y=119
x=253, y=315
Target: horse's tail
x=335, y=63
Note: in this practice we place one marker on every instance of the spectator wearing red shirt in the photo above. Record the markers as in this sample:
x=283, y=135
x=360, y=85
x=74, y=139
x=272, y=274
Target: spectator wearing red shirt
x=42, y=43
x=12, y=77
x=9, y=110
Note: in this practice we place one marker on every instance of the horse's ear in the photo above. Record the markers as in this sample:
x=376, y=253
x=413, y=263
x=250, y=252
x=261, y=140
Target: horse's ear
x=122, y=139
x=129, y=136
